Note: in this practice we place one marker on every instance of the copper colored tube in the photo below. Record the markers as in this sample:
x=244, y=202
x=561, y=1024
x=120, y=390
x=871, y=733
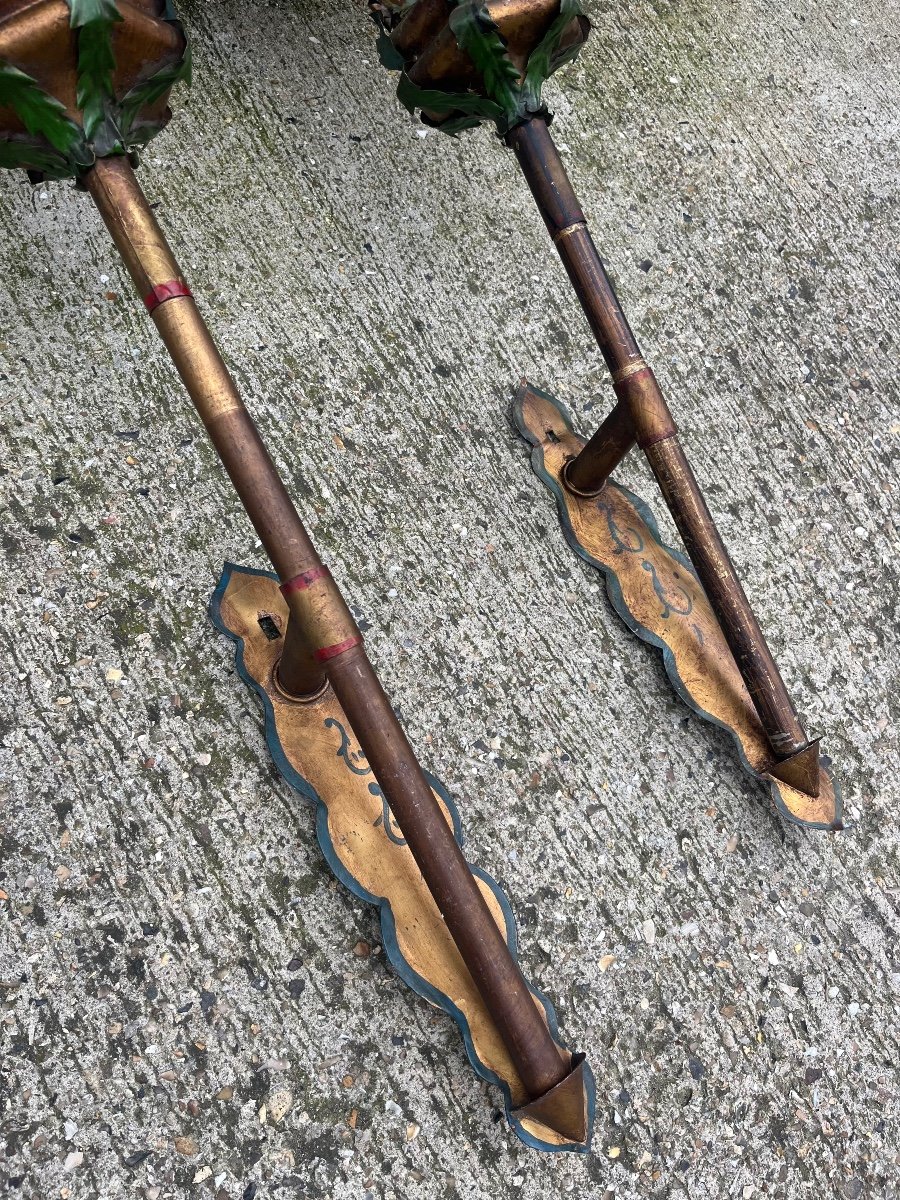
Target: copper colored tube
x=419, y=25
x=483, y=949
x=332, y=642
x=586, y=474
x=152, y=265
x=726, y=595
x=654, y=430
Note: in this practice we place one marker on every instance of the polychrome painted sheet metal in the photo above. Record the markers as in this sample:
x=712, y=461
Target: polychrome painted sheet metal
x=314, y=749
x=655, y=591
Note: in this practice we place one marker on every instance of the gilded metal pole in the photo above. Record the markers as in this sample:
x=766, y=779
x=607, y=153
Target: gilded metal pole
x=324, y=646
x=642, y=415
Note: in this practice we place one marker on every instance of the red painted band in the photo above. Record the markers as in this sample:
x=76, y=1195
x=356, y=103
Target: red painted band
x=327, y=652
x=170, y=290
x=304, y=580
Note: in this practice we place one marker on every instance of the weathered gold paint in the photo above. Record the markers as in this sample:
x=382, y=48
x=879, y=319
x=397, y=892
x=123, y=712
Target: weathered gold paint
x=704, y=662
x=356, y=829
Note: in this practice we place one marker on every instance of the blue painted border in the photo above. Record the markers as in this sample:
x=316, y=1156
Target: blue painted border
x=614, y=591
x=388, y=929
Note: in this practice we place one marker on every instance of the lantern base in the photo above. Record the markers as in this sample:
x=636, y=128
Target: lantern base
x=655, y=591
x=317, y=754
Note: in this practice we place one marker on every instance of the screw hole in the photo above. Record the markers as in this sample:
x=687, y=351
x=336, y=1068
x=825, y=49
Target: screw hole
x=269, y=628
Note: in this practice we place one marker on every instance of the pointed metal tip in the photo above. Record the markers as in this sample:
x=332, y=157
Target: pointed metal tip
x=564, y=1109
x=801, y=770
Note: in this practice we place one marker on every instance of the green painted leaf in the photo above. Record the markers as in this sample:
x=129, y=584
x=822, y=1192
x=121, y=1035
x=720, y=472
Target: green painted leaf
x=478, y=36
x=133, y=130
x=112, y=127
x=454, y=125
x=96, y=64
x=388, y=54
x=86, y=12
x=94, y=20
x=546, y=58
x=39, y=113
x=34, y=156
x=411, y=96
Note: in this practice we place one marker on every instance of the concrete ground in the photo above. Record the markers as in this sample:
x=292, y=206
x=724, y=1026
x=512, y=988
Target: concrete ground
x=187, y=1010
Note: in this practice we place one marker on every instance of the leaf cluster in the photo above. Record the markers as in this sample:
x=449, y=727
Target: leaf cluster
x=507, y=98
x=56, y=146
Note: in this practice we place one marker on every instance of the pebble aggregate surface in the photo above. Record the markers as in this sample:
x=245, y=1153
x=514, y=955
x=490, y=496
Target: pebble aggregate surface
x=190, y=1005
